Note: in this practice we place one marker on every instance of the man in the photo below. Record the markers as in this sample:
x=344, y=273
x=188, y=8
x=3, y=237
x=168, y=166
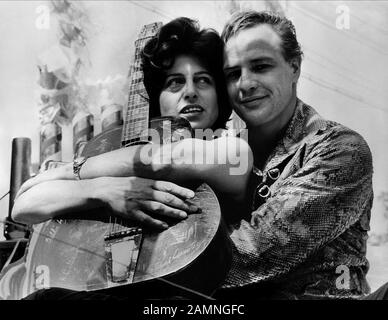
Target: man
x=312, y=178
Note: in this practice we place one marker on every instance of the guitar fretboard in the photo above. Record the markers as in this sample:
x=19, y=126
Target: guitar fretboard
x=137, y=116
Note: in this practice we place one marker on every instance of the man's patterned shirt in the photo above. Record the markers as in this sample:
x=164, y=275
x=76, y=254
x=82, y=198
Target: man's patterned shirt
x=307, y=233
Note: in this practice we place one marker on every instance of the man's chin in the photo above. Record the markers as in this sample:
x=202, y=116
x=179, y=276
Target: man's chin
x=254, y=117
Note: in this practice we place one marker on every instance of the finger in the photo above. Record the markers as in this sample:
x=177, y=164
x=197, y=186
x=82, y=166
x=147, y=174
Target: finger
x=162, y=209
x=173, y=189
x=146, y=220
x=172, y=201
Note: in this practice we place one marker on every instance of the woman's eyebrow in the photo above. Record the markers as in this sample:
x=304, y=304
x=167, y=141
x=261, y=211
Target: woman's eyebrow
x=174, y=75
x=202, y=73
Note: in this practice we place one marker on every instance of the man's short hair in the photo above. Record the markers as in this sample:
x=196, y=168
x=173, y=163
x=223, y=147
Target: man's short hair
x=282, y=26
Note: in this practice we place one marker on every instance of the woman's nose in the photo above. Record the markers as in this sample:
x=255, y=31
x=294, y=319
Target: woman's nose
x=190, y=91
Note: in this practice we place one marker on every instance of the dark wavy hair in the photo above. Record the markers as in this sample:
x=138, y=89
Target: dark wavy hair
x=184, y=36
x=281, y=25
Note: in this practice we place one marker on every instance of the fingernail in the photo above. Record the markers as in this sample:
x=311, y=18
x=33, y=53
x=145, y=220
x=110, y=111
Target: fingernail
x=190, y=194
x=164, y=225
x=183, y=214
x=193, y=208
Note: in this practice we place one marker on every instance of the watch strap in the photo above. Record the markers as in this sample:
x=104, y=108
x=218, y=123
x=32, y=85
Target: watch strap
x=77, y=165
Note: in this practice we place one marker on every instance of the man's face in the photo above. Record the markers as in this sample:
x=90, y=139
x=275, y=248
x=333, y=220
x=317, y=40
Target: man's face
x=261, y=83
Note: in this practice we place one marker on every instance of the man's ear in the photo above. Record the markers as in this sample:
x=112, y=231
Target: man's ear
x=295, y=65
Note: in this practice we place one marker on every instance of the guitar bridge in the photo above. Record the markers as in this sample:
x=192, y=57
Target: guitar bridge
x=122, y=250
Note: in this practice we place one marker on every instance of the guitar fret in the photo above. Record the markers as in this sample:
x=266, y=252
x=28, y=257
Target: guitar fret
x=137, y=109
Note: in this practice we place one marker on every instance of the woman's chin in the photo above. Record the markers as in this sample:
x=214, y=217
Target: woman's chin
x=197, y=124
x=194, y=121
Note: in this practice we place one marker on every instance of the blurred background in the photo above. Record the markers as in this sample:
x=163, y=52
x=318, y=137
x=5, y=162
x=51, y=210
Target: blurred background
x=64, y=61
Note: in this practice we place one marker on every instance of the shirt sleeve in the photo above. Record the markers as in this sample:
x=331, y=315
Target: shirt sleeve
x=319, y=200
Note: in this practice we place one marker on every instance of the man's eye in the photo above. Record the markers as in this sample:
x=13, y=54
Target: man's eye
x=232, y=75
x=261, y=67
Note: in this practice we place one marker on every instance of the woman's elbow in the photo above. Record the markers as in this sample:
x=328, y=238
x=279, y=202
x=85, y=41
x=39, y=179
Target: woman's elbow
x=19, y=212
x=23, y=210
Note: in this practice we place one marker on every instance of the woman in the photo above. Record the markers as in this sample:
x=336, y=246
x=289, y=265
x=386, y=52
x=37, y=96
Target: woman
x=184, y=77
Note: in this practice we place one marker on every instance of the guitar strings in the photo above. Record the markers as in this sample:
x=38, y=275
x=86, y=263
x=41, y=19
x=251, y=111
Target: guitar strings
x=7, y=193
x=103, y=257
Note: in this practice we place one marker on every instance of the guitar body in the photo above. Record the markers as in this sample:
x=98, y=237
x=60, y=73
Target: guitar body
x=77, y=254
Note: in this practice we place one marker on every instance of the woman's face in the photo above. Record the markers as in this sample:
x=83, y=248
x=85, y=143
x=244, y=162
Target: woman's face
x=189, y=92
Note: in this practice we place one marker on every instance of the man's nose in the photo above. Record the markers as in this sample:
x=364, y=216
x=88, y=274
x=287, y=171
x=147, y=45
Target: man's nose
x=190, y=92
x=247, y=84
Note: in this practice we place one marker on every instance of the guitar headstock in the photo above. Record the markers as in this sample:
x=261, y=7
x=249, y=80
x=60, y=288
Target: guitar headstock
x=136, y=116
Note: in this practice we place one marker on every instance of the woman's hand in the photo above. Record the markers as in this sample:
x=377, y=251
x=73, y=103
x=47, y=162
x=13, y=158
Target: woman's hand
x=142, y=200
x=63, y=172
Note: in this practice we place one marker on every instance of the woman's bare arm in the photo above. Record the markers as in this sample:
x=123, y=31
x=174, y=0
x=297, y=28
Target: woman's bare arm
x=224, y=164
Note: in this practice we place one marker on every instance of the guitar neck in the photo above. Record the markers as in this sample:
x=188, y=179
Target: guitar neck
x=136, y=117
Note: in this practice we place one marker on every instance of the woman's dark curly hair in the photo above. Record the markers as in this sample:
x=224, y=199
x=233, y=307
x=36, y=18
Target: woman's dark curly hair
x=184, y=36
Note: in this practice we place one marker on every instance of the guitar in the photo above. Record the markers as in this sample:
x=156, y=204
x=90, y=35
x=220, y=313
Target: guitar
x=108, y=254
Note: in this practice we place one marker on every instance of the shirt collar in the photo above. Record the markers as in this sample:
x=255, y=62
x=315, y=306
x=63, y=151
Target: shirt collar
x=304, y=121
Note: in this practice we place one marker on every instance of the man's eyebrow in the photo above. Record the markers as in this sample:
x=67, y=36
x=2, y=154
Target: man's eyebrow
x=255, y=60
x=230, y=68
x=262, y=59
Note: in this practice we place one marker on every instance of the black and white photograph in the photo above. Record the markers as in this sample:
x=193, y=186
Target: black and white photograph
x=163, y=152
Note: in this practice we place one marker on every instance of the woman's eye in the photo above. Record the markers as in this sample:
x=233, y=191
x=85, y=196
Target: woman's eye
x=174, y=83
x=204, y=80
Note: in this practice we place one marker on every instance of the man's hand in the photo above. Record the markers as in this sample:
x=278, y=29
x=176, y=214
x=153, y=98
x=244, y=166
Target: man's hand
x=136, y=198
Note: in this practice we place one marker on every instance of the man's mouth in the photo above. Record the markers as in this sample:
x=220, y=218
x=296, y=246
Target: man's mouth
x=252, y=99
x=191, y=109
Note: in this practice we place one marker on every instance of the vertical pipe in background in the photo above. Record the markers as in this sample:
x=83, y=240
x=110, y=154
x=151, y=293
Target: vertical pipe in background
x=83, y=128
x=50, y=144
x=20, y=172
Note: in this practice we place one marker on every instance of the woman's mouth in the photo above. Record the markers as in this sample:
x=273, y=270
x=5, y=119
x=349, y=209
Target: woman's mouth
x=191, y=109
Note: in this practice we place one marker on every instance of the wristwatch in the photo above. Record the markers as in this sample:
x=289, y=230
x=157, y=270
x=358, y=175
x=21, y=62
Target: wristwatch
x=77, y=165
